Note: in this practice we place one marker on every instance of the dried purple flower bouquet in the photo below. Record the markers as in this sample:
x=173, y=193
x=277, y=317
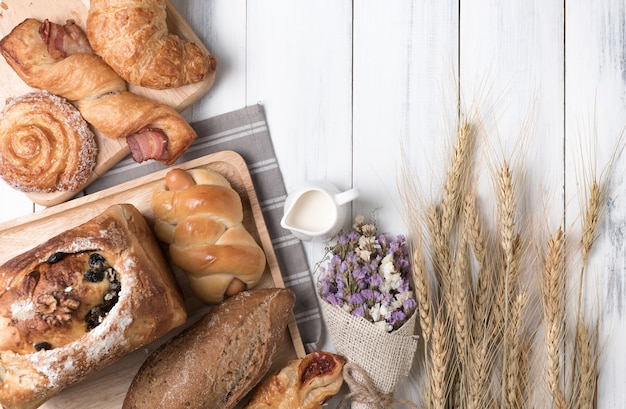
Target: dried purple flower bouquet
x=369, y=276
x=369, y=308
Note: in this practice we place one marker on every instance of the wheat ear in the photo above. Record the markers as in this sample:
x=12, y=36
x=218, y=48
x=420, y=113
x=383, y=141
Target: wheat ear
x=440, y=361
x=553, y=297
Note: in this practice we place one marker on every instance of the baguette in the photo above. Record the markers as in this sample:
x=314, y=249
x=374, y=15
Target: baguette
x=219, y=359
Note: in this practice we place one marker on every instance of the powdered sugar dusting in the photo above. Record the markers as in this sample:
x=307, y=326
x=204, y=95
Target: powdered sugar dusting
x=22, y=310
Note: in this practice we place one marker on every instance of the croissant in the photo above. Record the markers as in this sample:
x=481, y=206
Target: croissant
x=133, y=38
x=306, y=383
x=58, y=59
x=200, y=215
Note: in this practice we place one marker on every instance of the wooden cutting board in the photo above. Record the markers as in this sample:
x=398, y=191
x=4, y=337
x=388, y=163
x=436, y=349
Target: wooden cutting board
x=110, y=151
x=107, y=388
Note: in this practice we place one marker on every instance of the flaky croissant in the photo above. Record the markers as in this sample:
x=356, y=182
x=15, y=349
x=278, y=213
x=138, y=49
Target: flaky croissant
x=200, y=215
x=58, y=59
x=305, y=383
x=133, y=38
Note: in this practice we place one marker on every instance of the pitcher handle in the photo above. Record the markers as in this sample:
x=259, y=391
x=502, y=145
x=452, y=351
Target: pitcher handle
x=347, y=196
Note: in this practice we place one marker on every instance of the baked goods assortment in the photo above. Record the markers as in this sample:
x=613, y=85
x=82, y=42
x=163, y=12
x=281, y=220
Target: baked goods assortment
x=80, y=301
x=200, y=215
x=133, y=38
x=219, y=359
x=59, y=59
x=45, y=144
x=94, y=293
x=305, y=383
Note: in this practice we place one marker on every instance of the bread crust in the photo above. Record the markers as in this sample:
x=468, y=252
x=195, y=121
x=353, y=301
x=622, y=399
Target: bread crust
x=45, y=144
x=219, y=359
x=202, y=223
x=133, y=38
x=149, y=305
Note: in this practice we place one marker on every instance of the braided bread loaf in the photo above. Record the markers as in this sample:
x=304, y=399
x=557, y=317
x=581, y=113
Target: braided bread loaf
x=58, y=59
x=200, y=216
x=133, y=38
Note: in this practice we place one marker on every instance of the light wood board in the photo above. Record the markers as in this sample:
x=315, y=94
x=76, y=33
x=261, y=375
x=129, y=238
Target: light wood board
x=110, y=151
x=107, y=388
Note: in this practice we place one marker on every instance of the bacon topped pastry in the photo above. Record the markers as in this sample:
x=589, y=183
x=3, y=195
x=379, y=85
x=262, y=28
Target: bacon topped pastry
x=58, y=59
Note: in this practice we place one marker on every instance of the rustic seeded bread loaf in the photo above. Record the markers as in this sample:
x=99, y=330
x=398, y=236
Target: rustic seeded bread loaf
x=219, y=359
x=80, y=301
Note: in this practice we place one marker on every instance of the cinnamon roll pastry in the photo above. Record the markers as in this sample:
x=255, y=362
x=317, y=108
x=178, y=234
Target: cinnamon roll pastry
x=45, y=144
x=58, y=59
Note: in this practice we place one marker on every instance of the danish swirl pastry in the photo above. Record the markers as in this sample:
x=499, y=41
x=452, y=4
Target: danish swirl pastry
x=45, y=144
x=133, y=38
x=58, y=59
x=200, y=216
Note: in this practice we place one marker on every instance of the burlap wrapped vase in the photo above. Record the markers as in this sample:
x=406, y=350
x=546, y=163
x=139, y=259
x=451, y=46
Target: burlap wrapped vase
x=377, y=360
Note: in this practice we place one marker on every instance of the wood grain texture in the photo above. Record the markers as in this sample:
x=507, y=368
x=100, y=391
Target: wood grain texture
x=596, y=116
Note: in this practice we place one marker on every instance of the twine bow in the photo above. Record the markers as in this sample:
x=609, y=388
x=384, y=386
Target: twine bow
x=362, y=390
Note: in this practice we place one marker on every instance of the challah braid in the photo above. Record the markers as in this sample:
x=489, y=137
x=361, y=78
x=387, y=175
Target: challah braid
x=200, y=216
x=58, y=59
x=133, y=38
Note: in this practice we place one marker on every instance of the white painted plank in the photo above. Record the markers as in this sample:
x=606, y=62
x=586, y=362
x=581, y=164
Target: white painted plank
x=221, y=25
x=405, y=60
x=299, y=67
x=511, y=74
x=596, y=115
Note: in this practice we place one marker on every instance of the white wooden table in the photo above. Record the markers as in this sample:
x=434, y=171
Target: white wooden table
x=347, y=85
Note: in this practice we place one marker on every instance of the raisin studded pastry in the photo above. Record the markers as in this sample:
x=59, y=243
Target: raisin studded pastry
x=58, y=59
x=133, y=38
x=80, y=301
x=45, y=144
x=305, y=383
x=200, y=215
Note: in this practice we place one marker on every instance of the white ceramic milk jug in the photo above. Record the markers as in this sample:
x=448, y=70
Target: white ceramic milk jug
x=316, y=210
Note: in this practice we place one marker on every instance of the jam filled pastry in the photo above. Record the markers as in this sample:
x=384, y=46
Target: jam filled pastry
x=80, y=301
x=59, y=59
x=133, y=38
x=45, y=144
x=306, y=383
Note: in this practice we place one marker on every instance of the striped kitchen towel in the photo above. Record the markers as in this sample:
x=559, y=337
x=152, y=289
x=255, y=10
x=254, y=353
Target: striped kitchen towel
x=245, y=131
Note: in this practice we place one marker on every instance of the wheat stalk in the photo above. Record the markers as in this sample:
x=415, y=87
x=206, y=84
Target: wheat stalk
x=456, y=178
x=511, y=398
x=440, y=361
x=483, y=292
x=553, y=298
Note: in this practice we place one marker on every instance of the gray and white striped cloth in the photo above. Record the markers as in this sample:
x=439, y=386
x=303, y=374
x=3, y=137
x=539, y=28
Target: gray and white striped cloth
x=245, y=131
